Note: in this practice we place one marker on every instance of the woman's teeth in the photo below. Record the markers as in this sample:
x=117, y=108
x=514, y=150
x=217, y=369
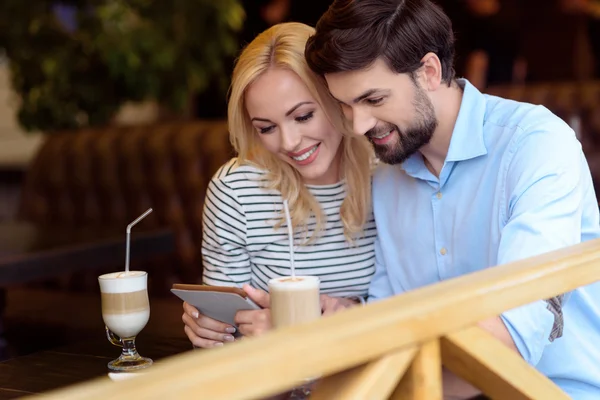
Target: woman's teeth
x=307, y=154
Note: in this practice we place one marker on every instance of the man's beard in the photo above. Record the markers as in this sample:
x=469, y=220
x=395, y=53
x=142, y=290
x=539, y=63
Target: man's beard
x=410, y=140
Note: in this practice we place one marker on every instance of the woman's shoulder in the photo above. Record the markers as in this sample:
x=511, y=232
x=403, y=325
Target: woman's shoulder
x=235, y=172
x=245, y=181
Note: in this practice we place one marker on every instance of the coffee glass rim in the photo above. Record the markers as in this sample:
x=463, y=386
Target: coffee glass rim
x=307, y=280
x=138, y=274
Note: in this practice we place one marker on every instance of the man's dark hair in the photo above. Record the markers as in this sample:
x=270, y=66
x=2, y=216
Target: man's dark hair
x=352, y=34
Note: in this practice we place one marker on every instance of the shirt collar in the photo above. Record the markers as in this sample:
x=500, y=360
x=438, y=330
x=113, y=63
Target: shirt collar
x=467, y=140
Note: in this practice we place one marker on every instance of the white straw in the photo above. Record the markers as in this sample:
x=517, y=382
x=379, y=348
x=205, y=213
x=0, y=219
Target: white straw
x=290, y=235
x=129, y=237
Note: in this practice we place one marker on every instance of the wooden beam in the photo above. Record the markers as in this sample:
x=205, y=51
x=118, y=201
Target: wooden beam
x=486, y=363
x=373, y=381
x=423, y=381
x=278, y=361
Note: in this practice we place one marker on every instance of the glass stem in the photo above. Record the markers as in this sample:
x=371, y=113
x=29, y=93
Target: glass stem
x=129, y=350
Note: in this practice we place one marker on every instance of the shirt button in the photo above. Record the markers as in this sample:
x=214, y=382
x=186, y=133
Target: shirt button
x=439, y=195
x=443, y=251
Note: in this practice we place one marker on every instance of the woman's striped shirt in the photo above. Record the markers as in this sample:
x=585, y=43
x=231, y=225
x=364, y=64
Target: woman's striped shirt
x=240, y=244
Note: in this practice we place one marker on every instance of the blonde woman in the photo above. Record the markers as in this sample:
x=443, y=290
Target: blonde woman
x=288, y=133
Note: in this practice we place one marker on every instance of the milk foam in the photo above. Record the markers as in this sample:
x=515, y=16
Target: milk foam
x=121, y=282
x=127, y=325
x=298, y=283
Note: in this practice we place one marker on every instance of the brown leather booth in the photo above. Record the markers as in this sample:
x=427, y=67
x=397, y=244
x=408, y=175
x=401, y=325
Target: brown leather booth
x=107, y=177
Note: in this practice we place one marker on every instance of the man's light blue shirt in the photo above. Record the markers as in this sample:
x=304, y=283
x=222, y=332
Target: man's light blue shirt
x=515, y=184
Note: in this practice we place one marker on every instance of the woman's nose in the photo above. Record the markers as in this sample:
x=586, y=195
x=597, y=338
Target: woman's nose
x=290, y=140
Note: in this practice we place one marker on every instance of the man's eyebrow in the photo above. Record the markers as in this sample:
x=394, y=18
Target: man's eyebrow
x=367, y=94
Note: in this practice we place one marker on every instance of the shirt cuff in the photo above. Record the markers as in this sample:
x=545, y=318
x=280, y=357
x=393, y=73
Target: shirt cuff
x=530, y=327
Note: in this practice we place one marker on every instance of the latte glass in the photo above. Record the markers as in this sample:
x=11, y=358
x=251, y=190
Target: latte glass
x=295, y=300
x=125, y=311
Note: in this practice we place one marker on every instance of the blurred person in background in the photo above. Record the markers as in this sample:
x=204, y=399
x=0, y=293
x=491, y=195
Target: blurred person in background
x=488, y=36
x=261, y=14
x=590, y=9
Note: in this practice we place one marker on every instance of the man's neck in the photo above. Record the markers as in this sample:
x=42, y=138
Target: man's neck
x=447, y=105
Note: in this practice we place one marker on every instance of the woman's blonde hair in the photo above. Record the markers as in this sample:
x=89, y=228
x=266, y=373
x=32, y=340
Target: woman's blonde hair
x=282, y=46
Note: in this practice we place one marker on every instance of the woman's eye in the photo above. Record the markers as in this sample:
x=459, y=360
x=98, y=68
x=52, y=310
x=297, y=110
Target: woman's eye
x=305, y=117
x=265, y=130
x=375, y=101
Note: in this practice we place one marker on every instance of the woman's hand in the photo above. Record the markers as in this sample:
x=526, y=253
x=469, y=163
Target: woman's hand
x=207, y=332
x=255, y=322
x=258, y=322
x=203, y=331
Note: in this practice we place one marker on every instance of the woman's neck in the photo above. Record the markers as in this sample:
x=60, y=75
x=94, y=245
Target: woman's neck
x=333, y=174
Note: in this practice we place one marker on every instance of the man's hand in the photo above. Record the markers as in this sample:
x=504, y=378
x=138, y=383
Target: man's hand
x=255, y=322
x=331, y=305
x=455, y=387
x=495, y=326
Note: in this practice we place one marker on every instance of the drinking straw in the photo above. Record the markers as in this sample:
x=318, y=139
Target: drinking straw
x=129, y=237
x=290, y=235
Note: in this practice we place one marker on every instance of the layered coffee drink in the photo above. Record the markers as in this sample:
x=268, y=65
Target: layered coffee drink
x=294, y=300
x=125, y=306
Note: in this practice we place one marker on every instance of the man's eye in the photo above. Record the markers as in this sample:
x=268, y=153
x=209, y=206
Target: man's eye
x=374, y=101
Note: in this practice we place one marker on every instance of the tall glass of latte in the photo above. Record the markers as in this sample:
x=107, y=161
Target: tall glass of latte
x=294, y=300
x=125, y=311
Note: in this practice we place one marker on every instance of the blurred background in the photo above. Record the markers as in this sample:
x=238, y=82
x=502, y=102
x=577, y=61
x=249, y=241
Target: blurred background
x=109, y=107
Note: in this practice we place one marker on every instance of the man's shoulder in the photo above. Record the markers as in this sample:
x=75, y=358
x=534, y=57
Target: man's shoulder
x=525, y=117
x=527, y=127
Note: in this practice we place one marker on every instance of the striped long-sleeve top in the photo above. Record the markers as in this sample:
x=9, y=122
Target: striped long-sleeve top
x=240, y=244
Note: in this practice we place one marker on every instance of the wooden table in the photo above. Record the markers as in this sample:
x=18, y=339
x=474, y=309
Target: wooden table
x=76, y=363
x=53, y=369
x=30, y=252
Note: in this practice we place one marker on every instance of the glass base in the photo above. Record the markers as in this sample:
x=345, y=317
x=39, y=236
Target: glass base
x=303, y=391
x=300, y=393
x=130, y=363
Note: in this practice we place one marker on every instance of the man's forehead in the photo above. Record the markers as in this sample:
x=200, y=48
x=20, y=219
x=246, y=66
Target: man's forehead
x=348, y=83
x=356, y=75
x=351, y=91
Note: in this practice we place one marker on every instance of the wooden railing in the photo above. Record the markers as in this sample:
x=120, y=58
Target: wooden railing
x=389, y=349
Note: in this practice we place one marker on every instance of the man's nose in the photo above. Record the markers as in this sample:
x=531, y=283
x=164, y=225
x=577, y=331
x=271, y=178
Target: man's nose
x=362, y=121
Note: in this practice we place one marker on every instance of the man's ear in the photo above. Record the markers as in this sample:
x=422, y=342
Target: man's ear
x=431, y=72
